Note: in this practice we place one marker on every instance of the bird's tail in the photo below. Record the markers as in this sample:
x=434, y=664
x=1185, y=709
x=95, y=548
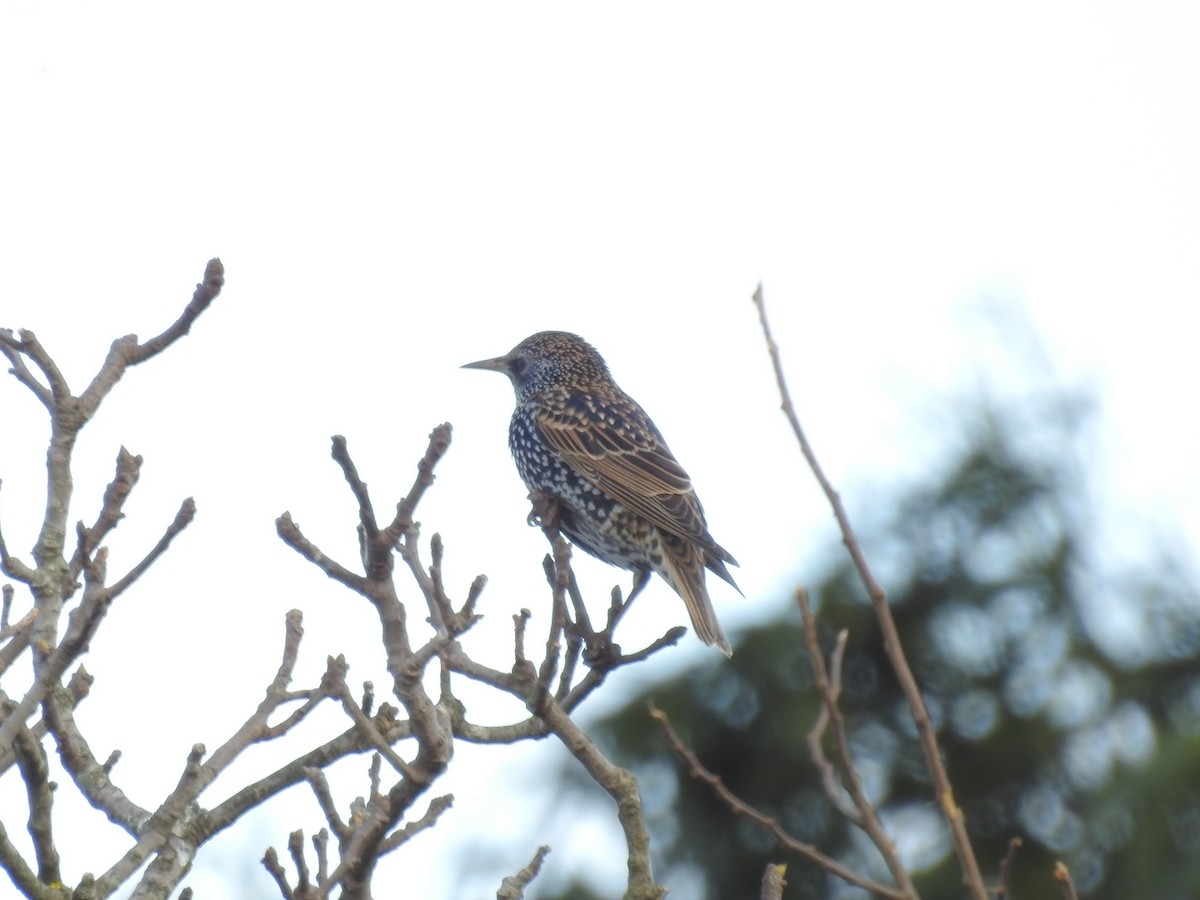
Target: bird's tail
x=683, y=569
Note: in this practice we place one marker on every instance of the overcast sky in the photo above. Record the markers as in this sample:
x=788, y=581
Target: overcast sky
x=396, y=190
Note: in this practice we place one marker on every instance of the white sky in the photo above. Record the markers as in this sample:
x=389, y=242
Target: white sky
x=397, y=190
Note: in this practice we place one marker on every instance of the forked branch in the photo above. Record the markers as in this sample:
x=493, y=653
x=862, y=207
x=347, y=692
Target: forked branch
x=943, y=789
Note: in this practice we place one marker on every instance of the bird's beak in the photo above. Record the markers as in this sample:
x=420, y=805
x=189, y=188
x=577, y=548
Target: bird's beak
x=499, y=364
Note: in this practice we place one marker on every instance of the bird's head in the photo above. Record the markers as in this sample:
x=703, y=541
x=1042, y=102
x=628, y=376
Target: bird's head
x=548, y=359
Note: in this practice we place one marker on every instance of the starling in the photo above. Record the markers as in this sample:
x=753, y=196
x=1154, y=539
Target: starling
x=619, y=493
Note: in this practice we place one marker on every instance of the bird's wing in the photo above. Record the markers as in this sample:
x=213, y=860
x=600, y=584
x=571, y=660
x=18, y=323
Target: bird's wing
x=613, y=445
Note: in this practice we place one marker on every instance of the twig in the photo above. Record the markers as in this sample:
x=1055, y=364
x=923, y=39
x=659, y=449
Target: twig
x=91, y=777
x=128, y=471
x=558, y=609
x=291, y=535
x=13, y=567
x=206, y=291
x=1063, y=876
x=17, y=868
x=320, y=787
x=196, y=777
x=944, y=790
x=19, y=632
x=513, y=887
x=773, y=882
x=770, y=823
x=437, y=806
x=816, y=751
x=335, y=681
x=30, y=346
x=81, y=626
x=183, y=518
x=35, y=772
x=296, y=851
x=1006, y=866
x=864, y=815
x=13, y=348
x=271, y=862
x=439, y=443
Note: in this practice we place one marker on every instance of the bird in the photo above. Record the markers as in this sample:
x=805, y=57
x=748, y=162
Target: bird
x=617, y=490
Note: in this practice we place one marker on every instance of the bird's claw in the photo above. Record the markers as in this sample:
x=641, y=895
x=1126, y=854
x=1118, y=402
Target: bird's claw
x=544, y=513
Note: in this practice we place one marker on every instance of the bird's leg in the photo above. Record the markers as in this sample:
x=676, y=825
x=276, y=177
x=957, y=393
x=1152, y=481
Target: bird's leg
x=640, y=580
x=544, y=512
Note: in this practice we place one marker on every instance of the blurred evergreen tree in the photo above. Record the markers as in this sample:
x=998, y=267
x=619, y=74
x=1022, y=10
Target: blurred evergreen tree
x=1066, y=696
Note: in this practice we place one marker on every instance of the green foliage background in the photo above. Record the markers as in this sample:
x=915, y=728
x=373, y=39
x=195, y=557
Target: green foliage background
x=1064, y=689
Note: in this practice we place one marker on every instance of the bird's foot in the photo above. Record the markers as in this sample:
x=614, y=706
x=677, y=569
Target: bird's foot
x=544, y=512
x=601, y=653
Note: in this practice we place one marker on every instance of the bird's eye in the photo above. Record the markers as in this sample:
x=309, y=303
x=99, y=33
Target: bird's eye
x=517, y=365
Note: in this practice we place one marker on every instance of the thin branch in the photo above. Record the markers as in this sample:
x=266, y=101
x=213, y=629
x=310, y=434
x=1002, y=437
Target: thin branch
x=91, y=777
x=18, y=636
x=59, y=391
x=81, y=626
x=13, y=567
x=271, y=862
x=773, y=882
x=437, y=806
x=558, y=607
x=35, y=772
x=126, y=351
x=864, y=815
x=831, y=692
x=770, y=823
x=291, y=535
x=1063, y=876
x=18, y=869
x=513, y=887
x=349, y=742
x=183, y=518
x=13, y=348
x=320, y=788
x=206, y=291
x=197, y=775
x=296, y=851
x=439, y=443
x=335, y=685
x=1006, y=866
x=128, y=471
x=944, y=790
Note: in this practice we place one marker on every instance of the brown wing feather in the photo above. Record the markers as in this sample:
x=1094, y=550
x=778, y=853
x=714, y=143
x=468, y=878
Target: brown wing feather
x=615, y=448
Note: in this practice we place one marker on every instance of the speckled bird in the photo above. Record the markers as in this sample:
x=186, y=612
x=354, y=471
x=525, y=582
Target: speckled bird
x=620, y=494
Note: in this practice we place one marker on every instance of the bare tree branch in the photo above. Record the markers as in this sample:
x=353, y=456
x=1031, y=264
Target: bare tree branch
x=771, y=824
x=1063, y=876
x=129, y=469
x=943, y=789
x=863, y=813
x=13, y=568
x=513, y=887
x=773, y=882
x=13, y=348
x=437, y=806
x=35, y=772
x=19, y=870
x=1006, y=867
x=183, y=518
